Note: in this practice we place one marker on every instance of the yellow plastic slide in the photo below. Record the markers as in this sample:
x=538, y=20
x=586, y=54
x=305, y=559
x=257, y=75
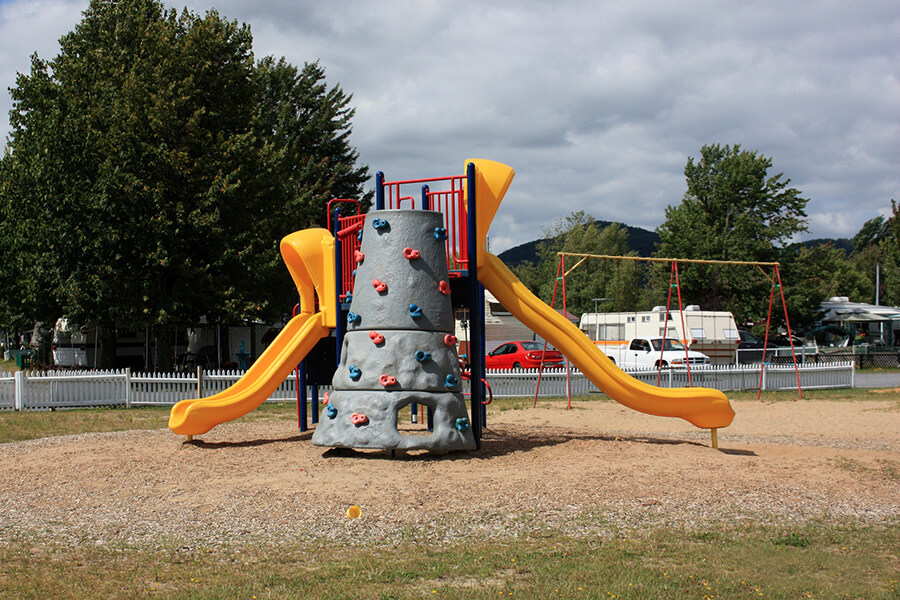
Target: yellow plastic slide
x=703, y=407
x=309, y=256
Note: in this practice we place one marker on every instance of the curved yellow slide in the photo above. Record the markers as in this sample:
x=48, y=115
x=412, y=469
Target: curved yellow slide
x=309, y=256
x=703, y=407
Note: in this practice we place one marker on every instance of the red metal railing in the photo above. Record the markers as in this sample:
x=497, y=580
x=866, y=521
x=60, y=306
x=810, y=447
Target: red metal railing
x=448, y=199
x=348, y=232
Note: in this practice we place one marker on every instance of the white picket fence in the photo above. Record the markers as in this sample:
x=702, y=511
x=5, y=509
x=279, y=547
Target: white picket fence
x=69, y=389
x=80, y=389
x=553, y=382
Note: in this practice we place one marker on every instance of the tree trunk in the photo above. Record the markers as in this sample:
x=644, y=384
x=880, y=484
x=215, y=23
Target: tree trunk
x=164, y=352
x=107, y=345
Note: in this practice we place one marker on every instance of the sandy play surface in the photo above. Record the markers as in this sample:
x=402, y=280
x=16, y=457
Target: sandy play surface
x=597, y=469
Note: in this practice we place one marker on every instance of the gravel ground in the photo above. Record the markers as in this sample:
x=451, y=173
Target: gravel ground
x=595, y=470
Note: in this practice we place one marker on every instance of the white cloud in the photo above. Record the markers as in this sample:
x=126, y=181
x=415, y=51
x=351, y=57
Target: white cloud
x=597, y=105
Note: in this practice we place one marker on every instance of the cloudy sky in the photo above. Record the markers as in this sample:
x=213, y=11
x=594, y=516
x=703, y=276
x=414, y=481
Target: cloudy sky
x=597, y=105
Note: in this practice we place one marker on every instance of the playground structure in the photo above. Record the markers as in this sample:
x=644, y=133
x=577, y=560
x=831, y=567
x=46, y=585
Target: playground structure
x=322, y=266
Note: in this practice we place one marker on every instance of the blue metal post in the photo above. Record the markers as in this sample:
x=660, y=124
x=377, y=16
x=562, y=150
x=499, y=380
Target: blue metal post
x=301, y=395
x=379, y=190
x=338, y=277
x=426, y=201
x=476, y=313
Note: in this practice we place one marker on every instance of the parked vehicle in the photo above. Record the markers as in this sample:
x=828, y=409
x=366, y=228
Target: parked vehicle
x=499, y=325
x=522, y=355
x=712, y=333
x=750, y=349
x=68, y=346
x=653, y=353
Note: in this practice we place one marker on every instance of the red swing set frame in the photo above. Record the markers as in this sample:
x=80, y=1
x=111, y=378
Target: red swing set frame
x=675, y=283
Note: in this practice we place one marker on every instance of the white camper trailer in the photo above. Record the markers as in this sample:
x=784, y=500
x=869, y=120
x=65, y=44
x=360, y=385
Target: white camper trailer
x=714, y=333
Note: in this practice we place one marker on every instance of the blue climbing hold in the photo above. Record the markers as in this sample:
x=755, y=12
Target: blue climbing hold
x=331, y=411
x=359, y=234
x=440, y=233
x=450, y=382
x=352, y=317
x=422, y=356
x=462, y=424
x=415, y=311
x=379, y=224
x=355, y=372
x=349, y=296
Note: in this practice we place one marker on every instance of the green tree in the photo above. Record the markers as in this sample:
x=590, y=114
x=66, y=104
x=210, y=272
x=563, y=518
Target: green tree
x=877, y=246
x=732, y=210
x=813, y=274
x=153, y=167
x=617, y=282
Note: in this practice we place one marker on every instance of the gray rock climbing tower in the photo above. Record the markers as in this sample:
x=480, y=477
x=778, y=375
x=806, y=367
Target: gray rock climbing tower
x=399, y=347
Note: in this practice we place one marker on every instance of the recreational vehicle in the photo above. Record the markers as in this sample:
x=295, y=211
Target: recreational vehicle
x=713, y=333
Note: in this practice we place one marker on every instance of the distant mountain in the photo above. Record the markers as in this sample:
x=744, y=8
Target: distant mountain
x=643, y=242
x=640, y=240
x=845, y=244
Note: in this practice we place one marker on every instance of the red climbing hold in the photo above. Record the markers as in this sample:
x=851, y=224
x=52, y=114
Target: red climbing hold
x=358, y=256
x=325, y=399
x=387, y=380
x=379, y=285
x=450, y=340
x=359, y=419
x=410, y=254
x=376, y=337
x=444, y=287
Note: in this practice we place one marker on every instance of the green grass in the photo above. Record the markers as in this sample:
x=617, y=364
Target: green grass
x=822, y=561
x=882, y=468
x=8, y=365
x=28, y=425
x=851, y=395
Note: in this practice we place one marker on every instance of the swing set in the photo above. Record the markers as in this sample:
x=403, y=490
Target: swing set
x=675, y=284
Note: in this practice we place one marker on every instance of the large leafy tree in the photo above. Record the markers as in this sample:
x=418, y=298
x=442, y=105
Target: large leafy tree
x=153, y=166
x=813, y=274
x=733, y=210
x=616, y=282
x=877, y=246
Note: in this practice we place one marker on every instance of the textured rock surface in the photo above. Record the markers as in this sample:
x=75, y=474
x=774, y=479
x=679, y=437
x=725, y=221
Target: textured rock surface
x=396, y=351
x=408, y=281
x=397, y=356
x=382, y=410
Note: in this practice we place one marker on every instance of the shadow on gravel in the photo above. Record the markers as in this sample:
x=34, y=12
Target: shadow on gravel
x=735, y=452
x=502, y=441
x=301, y=437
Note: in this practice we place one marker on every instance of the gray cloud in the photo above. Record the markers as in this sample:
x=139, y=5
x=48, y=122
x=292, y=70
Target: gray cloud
x=597, y=105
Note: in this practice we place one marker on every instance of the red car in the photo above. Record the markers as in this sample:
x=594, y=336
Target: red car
x=522, y=355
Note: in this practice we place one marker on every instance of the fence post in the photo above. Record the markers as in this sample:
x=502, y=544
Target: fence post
x=765, y=372
x=199, y=381
x=852, y=374
x=127, y=387
x=20, y=390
